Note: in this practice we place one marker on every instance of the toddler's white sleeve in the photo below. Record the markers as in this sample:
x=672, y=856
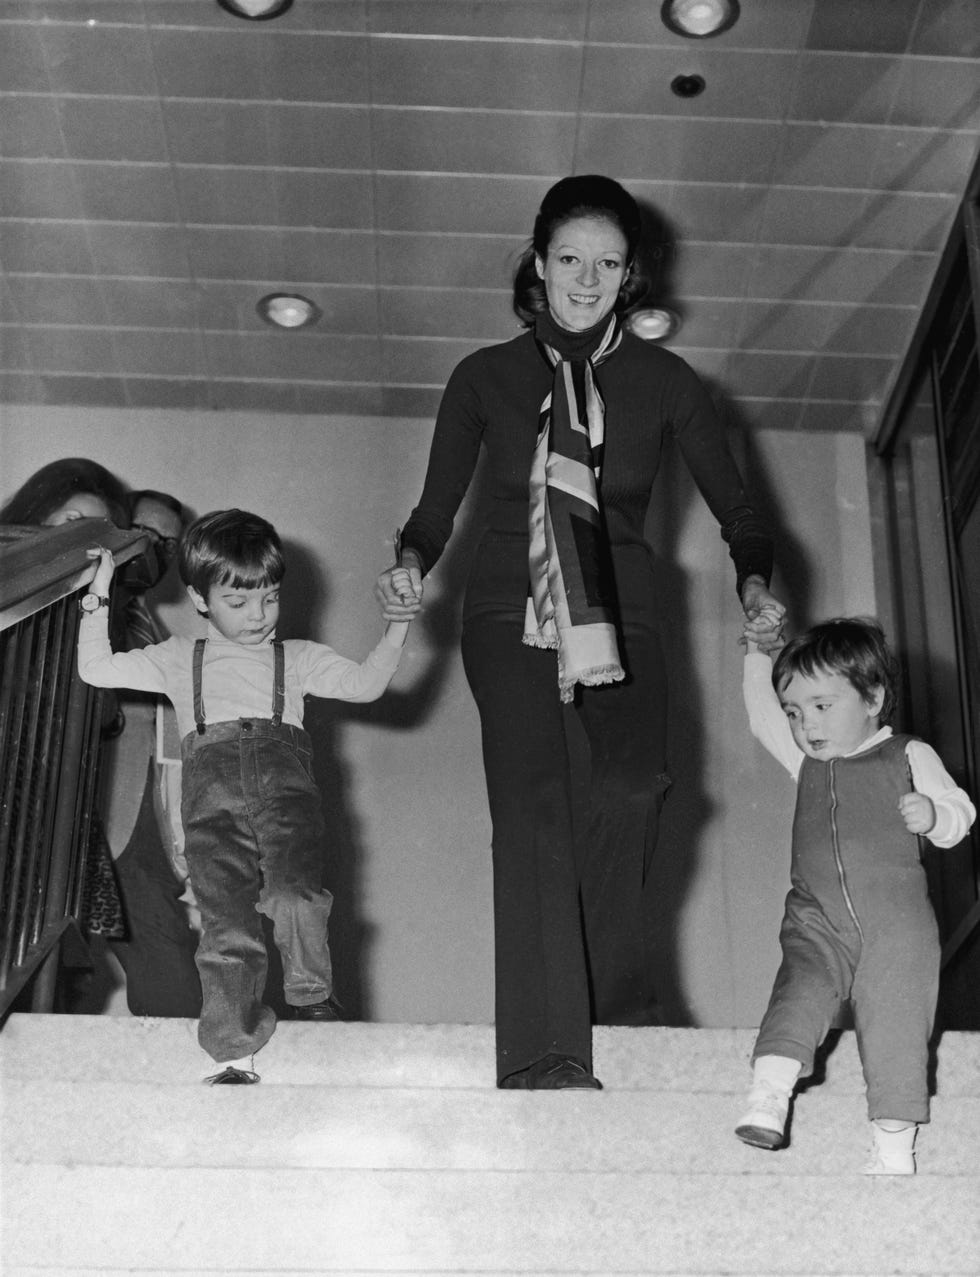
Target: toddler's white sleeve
x=954, y=811
x=767, y=722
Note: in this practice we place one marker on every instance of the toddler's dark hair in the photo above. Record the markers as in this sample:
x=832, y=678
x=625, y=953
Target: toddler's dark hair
x=852, y=646
x=230, y=547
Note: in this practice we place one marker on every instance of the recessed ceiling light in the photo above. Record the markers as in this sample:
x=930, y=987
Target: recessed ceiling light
x=288, y=310
x=698, y=19
x=653, y=323
x=255, y=10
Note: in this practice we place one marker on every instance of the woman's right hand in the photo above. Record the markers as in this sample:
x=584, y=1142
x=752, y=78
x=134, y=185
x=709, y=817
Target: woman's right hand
x=400, y=604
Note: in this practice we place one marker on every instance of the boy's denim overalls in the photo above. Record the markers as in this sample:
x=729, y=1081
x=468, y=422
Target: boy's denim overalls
x=254, y=835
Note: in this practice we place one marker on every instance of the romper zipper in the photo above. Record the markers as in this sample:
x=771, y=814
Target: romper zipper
x=835, y=840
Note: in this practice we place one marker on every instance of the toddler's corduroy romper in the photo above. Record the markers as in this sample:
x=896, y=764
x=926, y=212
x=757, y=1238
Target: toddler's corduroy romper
x=858, y=924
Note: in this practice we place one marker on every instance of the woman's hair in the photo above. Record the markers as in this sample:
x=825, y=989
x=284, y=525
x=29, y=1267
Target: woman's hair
x=230, y=547
x=51, y=487
x=588, y=195
x=852, y=646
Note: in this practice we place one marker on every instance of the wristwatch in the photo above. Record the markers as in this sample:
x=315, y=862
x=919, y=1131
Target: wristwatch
x=92, y=602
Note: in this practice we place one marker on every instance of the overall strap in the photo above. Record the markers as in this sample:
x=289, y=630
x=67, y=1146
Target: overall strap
x=199, y=647
x=278, y=682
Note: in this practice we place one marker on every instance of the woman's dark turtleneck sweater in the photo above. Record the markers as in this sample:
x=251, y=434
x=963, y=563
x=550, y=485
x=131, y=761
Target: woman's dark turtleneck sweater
x=494, y=398
x=568, y=344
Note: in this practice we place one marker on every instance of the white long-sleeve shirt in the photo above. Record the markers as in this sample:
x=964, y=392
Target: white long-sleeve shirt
x=237, y=679
x=768, y=723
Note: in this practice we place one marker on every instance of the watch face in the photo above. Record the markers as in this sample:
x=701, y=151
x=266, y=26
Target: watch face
x=91, y=602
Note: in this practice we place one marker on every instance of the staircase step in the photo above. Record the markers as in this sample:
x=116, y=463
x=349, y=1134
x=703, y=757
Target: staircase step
x=269, y=1221
x=393, y=1128
x=106, y=1048
x=375, y=1149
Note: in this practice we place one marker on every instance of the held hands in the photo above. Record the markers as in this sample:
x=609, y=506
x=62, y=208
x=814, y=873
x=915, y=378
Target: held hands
x=104, y=572
x=399, y=590
x=918, y=812
x=765, y=617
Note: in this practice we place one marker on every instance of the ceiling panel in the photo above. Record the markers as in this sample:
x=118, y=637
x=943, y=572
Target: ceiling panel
x=837, y=25
x=473, y=19
x=164, y=164
x=113, y=129
x=948, y=28
x=99, y=59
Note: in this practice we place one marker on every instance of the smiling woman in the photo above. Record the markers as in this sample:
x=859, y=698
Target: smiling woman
x=561, y=610
x=583, y=271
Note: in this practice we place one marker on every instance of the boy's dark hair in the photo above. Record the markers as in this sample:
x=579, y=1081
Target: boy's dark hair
x=230, y=547
x=852, y=646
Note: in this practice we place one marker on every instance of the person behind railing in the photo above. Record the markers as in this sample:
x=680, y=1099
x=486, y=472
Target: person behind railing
x=163, y=517
x=130, y=893
x=157, y=954
x=61, y=492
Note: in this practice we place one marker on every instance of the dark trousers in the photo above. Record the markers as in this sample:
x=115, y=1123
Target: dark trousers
x=158, y=953
x=570, y=936
x=254, y=836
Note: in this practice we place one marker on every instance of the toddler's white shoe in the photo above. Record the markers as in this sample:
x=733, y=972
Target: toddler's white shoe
x=892, y=1151
x=763, y=1124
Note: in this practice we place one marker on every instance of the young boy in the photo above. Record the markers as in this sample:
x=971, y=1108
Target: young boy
x=857, y=924
x=251, y=811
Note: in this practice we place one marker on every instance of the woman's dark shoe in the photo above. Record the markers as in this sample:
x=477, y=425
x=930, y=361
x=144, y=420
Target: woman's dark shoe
x=328, y=1009
x=553, y=1073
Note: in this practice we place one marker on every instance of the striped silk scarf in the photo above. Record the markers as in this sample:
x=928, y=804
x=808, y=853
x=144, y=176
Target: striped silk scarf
x=571, y=603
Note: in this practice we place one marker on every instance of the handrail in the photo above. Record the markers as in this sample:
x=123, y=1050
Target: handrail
x=50, y=725
x=39, y=566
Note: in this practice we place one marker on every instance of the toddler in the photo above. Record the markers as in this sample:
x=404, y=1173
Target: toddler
x=250, y=808
x=857, y=924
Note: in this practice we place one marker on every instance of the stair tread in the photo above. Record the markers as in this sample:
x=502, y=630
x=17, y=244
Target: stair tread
x=92, y=1047
x=59, y=1122
x=444, y=1221
x=371, y=1149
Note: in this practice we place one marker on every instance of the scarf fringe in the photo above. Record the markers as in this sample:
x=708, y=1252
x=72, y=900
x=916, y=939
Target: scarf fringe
x=598, y=677
x=531, y=639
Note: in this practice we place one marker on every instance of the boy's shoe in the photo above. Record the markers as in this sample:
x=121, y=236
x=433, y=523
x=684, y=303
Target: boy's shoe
x=231, y=1076
x=328, y=1009
x=892, y=1151
x=763, y=1124
x=553, y=1073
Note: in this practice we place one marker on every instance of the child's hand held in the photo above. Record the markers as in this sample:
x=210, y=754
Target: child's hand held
x=399, y=592
x=404, y=587
x=763, y=631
